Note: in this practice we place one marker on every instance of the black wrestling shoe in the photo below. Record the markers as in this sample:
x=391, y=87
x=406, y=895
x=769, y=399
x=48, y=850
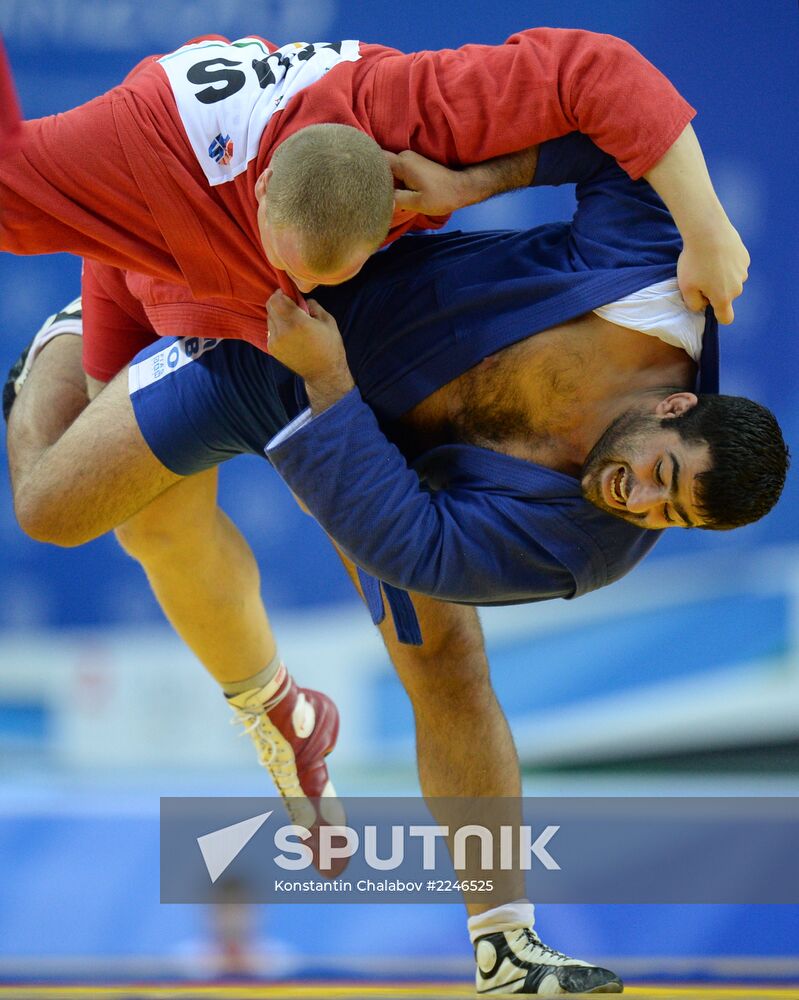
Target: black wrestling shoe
x=69, y=320
x=518, y=962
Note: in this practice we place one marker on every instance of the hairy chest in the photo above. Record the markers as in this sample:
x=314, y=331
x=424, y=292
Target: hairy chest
x=535, y=398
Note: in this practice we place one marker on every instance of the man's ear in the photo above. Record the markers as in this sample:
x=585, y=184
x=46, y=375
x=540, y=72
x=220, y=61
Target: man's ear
x=262, y=183
x=676, y=405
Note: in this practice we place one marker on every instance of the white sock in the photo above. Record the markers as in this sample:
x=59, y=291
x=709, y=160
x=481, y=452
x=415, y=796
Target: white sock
x=261, y=687
x=508, y=917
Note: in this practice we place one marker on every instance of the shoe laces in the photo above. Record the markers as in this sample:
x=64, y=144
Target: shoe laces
x=534, y=941
x=274, y=751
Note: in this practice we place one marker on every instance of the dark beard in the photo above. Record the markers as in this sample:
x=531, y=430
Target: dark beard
x=617, y=443
x=602, y=452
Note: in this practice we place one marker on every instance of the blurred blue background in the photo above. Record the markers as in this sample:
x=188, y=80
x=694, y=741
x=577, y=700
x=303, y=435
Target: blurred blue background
x=684, y=677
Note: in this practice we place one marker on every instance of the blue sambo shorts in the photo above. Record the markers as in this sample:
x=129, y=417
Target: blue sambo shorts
x=197, y=406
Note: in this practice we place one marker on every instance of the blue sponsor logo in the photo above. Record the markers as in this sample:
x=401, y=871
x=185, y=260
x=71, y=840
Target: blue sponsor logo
x=221, y=149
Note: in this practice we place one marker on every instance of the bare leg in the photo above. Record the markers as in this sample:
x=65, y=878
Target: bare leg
x=49, y=402
x=99, y=472
x=77, y=471
x=89, y=464
x=206, y=578
x=464, y=747
x=75, y=480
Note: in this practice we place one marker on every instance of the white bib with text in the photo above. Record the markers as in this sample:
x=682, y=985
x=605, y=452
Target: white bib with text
x=226, y=93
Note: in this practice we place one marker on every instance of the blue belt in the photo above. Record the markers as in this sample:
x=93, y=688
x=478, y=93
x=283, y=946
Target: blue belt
x=406, y=624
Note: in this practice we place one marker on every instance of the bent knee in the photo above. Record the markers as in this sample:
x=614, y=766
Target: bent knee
x=44, y=522
x=174, y=532
x=451, y=665
x=451, y=634
x=171, y=524
x=145, y=539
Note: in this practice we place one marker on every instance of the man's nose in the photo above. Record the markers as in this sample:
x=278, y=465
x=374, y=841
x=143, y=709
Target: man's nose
x=643, y=497
x=304, y=286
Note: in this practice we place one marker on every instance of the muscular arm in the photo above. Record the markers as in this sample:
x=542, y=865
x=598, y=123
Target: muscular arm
x=483, y=108
x=77, y=472
x=464, y=106
x=431, y=189
x=714, y=263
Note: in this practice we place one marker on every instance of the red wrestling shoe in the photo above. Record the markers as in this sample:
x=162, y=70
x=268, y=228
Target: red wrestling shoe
x=293, y=732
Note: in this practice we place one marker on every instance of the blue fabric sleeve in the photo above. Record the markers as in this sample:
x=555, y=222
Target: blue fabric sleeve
x=569, y=160
x=618, y=222
x=464, y=545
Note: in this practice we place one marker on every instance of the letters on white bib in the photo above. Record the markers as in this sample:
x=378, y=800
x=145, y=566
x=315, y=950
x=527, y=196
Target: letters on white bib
x=226, y=92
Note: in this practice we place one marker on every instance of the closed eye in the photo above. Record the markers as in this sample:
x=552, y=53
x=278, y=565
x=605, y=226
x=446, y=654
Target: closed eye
x=658, y=477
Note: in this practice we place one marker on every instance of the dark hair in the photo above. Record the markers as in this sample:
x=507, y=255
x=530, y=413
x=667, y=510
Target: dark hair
x=749, y=459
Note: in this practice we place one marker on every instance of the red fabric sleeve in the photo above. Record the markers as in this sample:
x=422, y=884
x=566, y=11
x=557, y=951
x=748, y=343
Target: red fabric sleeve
x=9, y=106
x=69, y=187
x=462, y=106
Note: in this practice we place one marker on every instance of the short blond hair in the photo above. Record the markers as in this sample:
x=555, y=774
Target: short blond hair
x=332, y=185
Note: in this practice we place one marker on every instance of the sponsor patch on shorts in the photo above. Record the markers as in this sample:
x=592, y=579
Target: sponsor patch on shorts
x=169, y=359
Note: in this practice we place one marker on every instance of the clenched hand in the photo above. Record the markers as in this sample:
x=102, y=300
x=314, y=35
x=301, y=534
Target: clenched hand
x=310, y=345
x=712, y=269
